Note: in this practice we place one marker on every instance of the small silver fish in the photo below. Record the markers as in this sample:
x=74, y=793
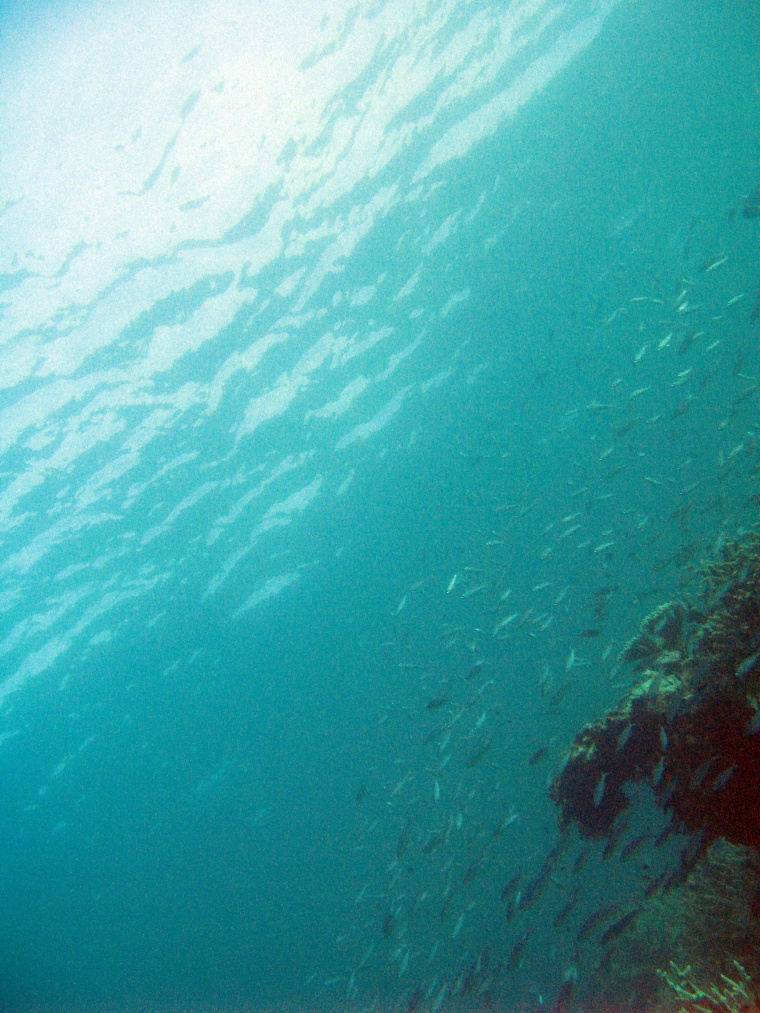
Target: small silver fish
x=599, y=790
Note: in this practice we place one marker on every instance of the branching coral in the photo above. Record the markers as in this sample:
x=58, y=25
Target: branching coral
x=734, y=994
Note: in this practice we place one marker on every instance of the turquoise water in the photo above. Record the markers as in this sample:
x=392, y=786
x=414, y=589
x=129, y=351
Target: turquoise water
x=355, y=362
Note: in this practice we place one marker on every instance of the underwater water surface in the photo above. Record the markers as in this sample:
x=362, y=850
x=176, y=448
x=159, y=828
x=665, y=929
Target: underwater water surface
x=368, y=372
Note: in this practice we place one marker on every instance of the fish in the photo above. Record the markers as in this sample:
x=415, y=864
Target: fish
x=713, y=262
x=751, y=207
x=570, y=531
x=476, y=669
x=564, y=996
x=402, y=783
x=414, y=1000
x=723, y=779
x=559, y=694
x=622, y=739
x=403, y=842
x=605, y=912
x=618, y=927
x=436, y=703
x=538, y=756
x=367, y=954
x=511, y=887
x=473, y=871
x=504, y=622
x=506, y=822
x=692, y=849
x=440, y=997
x=599, y=790
x=667, y=792
x=654, y=884
x=567, y=908
x=603, y=548
x=534, y=889
x=632, y=847
x=437, y=733
x=700, y=773
x=665, y=834
x=431, y=842
x=613, y=838
x=581, y=860
x=512, y=908
x=748, y=665
x=478, y=754
x=627, y=428
x=688, y=341
x=517, y=951
x=545, y=680
x=590, y=634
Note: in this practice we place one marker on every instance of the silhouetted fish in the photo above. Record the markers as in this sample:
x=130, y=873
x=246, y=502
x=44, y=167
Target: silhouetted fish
x=436, y=703
x=617, y=928
x=517, y=951
x=538, y=756
x=511, y=887
x=752, y=204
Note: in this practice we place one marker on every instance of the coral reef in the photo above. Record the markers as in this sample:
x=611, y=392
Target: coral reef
x=691, y=723
x=689, y=728
x=702, y=924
